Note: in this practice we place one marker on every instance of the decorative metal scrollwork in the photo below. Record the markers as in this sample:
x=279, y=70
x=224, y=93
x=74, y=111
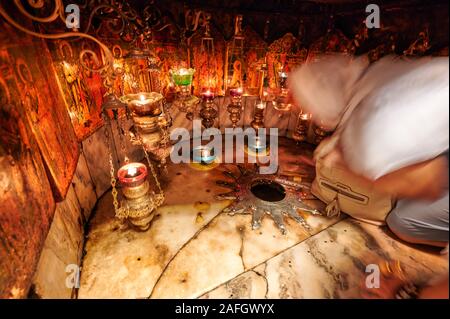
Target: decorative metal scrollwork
x=106, y=70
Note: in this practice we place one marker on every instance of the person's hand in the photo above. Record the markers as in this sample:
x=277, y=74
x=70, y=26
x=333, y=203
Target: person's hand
x=391, y=280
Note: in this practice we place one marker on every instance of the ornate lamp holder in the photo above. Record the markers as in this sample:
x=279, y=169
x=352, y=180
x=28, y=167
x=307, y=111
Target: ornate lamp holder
x=139, y=72
x=281, y=102
x=209, y=110
x=235, y=107
x=258, y=114
x=139, y=203
x=151, y=124
x=185, y=101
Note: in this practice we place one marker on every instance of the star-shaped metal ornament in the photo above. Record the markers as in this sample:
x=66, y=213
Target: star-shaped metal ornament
x=260, y=195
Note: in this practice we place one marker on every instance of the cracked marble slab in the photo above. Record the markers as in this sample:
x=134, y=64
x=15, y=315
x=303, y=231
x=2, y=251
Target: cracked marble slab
x=191, y=246
x=225, y=248
x=332, y=264
x=123, y=263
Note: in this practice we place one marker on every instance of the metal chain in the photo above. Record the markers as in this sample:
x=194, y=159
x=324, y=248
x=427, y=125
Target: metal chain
x=122, y=142
x=152, y=169
x=164, y=129
x=153, y=172
x=114, y=191
x=113, y=184
x=124, y=212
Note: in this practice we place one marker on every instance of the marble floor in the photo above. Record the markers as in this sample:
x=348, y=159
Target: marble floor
x=195, y=250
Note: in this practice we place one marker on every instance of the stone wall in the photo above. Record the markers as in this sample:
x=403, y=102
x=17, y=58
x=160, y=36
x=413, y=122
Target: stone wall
x=63, y=247
x=27, y=202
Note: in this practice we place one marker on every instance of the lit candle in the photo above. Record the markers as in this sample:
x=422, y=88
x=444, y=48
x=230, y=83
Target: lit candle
x=141, y=100
x=132, y=175
x=204, y=155
x=302, y=126
x=132, y=172
x=183, y=76
x=261, y=105
x=144, y=104
x=305, y=116
x=208, y=95
x=257, y=144
x=236, y=92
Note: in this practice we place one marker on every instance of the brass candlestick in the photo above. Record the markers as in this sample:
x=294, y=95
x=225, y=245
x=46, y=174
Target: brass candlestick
x=185, y=101
x=209, y=111
x=282, y=102
x=301, y=128
x=258, y=115
x=235, y=107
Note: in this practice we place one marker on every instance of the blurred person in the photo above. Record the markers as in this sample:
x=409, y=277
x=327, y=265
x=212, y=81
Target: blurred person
x=391, y=128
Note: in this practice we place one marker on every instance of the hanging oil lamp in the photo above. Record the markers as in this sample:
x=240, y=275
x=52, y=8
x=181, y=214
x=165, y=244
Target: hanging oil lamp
x=139, y=202
x=185, y=101
x=235, y=107
x=209, y=110
x=145, y=104
x=151, y=124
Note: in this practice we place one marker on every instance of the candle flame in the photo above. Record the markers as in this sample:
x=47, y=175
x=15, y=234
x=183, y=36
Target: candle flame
x=132, y=171
x=261, y=105
x=305, y=116
x=142, y=97
x=182, y=71
x=205, y=153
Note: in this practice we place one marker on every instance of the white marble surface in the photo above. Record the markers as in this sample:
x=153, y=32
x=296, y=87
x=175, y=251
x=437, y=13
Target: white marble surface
x=194, y=250
x=122, y=263
x=226, y=248
x=332, y=264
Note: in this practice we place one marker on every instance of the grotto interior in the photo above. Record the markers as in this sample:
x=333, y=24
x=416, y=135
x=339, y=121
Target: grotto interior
x=168, y=149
